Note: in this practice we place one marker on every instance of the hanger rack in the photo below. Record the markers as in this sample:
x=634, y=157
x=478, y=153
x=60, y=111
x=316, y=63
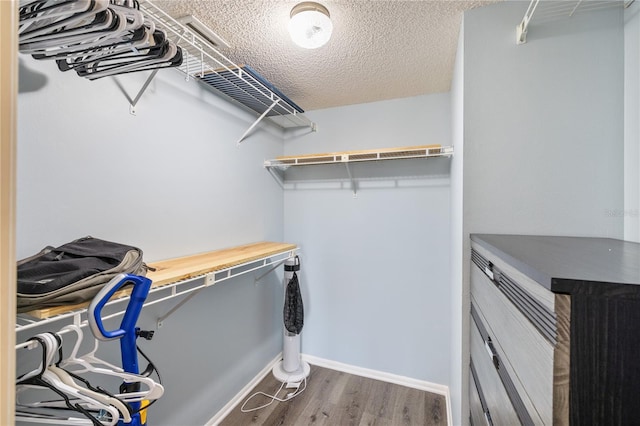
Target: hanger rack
x=174, y=278
x=555, y=10
x=243, y=87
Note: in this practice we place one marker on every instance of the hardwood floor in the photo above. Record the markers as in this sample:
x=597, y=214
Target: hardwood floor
x=337, y=398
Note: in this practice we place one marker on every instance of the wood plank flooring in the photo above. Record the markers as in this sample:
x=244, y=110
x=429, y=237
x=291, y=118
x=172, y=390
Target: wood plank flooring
x=337, y=398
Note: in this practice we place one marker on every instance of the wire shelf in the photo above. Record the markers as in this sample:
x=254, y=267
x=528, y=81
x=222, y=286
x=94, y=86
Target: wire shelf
x=425, y=151
x=162, y=292
x=203, y=62
x=547, y=11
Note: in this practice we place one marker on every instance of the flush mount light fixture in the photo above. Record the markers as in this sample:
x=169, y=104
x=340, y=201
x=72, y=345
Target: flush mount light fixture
x=310, y=25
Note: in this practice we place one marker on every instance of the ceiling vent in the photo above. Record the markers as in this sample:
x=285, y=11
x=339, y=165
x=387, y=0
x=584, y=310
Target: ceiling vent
x=201, y=30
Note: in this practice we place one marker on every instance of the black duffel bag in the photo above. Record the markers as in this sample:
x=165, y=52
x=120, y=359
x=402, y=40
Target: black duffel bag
x=74, y=272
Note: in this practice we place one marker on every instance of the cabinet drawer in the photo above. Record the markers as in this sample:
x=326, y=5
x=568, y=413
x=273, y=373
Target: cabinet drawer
x=526, y=355
x=477, y=404
x=499, y=408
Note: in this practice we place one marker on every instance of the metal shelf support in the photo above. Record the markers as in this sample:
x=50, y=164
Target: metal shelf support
x=134, y=102
x=353, y=182
x=521, y=29
x=255, y=123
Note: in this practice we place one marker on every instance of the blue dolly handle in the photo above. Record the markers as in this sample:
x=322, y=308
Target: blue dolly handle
x=127, y=333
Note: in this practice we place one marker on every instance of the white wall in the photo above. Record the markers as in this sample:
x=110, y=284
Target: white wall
x=172, y=182
x=459, y=302
x=631, y=210
x=543, y=129
x=543, y=124
x=375, y=269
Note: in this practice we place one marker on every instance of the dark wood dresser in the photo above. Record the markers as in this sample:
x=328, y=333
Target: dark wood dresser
x=555, y=331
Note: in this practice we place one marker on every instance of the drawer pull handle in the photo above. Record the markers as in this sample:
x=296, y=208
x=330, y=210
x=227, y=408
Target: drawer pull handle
x=488, y=270
x=492, y=353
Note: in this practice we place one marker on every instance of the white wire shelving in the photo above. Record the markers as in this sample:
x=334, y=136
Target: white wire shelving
x=546, y=11
x=203, y=62
x=188, y=287
x=423, y=151
x=278, y=166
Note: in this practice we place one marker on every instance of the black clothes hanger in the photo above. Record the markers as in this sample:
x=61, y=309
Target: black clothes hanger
x=96, y=38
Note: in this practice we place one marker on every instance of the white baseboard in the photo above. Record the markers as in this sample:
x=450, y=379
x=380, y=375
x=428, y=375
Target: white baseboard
x=338, y=366
x=244, y=392
x=385, y=377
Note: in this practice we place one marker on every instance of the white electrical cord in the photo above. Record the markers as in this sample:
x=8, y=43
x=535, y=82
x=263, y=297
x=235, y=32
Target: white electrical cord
x=274, y=397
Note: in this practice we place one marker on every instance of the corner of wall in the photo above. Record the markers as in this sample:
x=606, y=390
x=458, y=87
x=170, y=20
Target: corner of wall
x=458, y=347
x=631, y=210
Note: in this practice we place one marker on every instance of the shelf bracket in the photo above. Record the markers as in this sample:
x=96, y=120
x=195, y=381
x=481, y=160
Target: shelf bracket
x=177, y=306
x=276, y=176
x=273, y=268
x=134, y=102
x=255, y=123
x=353, y=182
x=521, y=29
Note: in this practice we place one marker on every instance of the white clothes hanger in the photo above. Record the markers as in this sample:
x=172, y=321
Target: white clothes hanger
x=107, y=400
x=48, y=359
x=67, y=379
x=49, y=25
x=96, y=38
x=79, y=55
x=40, y=13
x=46, y=379
x=90, y=363
x=68, y=386
x=107, y=25
x=170, y=58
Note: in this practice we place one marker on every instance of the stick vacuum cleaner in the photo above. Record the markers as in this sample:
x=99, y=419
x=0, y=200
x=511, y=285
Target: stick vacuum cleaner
x=291, y=368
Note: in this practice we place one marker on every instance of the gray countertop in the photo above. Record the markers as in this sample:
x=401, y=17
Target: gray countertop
x=564, y=264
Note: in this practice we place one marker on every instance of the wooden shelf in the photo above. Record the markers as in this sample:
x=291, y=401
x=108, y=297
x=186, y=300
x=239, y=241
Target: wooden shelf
x=398, y=153
x=176, y=270
x=278, y=166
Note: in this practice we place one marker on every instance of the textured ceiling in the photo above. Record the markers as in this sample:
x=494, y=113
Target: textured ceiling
x=379, y=49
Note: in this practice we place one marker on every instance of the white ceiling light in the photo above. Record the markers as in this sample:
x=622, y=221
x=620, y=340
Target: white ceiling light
x=310, y=25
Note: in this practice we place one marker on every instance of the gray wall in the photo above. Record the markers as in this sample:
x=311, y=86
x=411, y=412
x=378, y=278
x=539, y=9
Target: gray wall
x=543, y=131
x=172, y=182
x=631, y=210
x=375, y=269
